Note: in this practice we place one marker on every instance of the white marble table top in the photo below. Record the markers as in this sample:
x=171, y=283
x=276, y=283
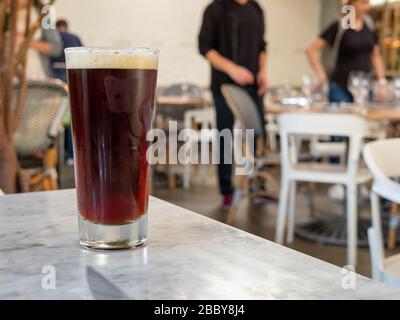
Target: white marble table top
x=188, y=257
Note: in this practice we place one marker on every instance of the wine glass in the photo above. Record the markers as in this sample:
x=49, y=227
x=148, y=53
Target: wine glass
x=306, y=88
x=396, y=92
x=360, y=86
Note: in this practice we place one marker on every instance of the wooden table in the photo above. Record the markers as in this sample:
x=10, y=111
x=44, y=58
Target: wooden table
x=181, y=101
x=188, y=256
x=385, y=113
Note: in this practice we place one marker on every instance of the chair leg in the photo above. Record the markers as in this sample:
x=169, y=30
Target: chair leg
x=186, y=176
x=171, y=181
x=291, y=212
x=376, y=221
x=238, y=194
x=187, y=171
x=374, y=251
x=392, y=237
x=52, y=178
x=313, y=191
x=272, y=140
x=352, y=225
x=237, y=198
x=203, y=174
x=375, y=238
x=282, y=211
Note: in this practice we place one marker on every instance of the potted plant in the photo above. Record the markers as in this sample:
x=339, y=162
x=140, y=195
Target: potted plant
x=12, y=69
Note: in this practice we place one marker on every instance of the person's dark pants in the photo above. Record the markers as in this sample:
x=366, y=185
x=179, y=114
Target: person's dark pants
x=68, y=143
x=225, y=120
x=338, y=94
x=60, y=74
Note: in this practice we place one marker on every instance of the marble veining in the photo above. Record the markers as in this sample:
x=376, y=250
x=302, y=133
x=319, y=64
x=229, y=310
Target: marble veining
x=188, y=257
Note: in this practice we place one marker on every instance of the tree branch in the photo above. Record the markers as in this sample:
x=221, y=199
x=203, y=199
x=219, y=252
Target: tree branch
x=21, y=55
x=10, y=66
x=3, y=12
x=21, y=75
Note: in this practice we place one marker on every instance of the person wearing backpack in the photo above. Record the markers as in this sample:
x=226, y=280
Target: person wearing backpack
x=349, y=50
x=232, y=40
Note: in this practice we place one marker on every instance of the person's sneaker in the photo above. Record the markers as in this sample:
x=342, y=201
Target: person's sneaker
x=69, y=162
x=227, y=202
x=336, y=192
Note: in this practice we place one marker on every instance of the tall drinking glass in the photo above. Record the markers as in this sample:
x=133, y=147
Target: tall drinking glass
x=112, y=94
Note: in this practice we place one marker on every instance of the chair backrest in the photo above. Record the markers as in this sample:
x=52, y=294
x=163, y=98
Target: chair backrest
x=244, y=108
x=383, y=158
x=45, y=106
x=316, y=124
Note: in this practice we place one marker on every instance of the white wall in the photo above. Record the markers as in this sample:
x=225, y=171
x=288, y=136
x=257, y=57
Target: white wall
x=173, y=25
x=291, y=26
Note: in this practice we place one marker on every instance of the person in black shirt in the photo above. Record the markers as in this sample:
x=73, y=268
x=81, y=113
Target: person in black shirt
x=69, y=40
x=232, y=39
x=358, y=51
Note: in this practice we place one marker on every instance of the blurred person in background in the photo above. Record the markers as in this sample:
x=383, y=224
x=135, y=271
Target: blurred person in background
x=358, y=51
x=232, y=40
x=69, y=40
x=46, y=43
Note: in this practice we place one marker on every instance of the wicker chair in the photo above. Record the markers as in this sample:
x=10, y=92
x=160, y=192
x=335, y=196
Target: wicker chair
x=245, y=112
x=37, y=139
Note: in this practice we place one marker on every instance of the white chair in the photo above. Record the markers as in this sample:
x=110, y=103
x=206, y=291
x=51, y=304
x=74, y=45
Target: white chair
x=1, y=193
x=350, y=175
x=382, y=158
x=272, y=130
x=203, y=121
x=322, y=147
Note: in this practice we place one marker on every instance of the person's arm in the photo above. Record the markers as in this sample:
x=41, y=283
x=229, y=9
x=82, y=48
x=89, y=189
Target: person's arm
x=42, y=47
x=378, y=64
x=313, y=56
x=262, y=73
x=379, y=67
x=239, y=74
x=262, y=79
x=207, y=47
x=51, y=43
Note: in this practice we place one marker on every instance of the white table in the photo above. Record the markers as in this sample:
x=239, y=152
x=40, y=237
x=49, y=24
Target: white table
x=188, y=257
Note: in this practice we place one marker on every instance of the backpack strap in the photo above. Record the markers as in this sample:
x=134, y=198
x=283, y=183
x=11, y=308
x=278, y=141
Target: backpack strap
x=370, y=23
x=336, y=46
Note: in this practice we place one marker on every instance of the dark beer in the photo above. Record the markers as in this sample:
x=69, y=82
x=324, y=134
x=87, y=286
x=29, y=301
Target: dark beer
x=112, y=107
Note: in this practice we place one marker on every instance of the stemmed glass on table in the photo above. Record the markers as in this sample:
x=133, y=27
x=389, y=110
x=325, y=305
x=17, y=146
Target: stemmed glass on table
x=360, y=87
x=307, y=89
x=396, y=92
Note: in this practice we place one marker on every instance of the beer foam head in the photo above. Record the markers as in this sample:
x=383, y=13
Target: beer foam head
x=105, y=58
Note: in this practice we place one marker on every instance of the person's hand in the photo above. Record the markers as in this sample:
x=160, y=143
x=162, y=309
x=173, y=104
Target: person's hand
x=19, y=39
x=241, y=75
x=262, y=82
x=322, y=79
x=381, y=94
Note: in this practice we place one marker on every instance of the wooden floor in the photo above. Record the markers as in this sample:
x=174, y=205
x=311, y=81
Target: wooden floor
x=204, y=198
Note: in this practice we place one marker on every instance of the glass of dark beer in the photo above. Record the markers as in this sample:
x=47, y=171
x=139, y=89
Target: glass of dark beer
x=112, y=93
